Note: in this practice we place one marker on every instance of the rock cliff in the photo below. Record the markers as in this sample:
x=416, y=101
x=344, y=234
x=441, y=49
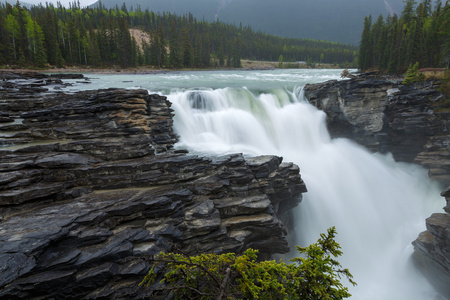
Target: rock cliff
x=90, y=185
x=386, y=116
x=434, y=245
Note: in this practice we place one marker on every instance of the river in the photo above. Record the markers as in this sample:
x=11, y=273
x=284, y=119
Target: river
x=378, y=206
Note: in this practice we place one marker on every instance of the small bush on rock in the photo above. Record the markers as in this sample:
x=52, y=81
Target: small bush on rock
x=413, y=74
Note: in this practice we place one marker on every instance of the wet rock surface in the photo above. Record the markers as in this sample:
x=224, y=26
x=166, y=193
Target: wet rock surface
x=90, y=186
x=433, y=247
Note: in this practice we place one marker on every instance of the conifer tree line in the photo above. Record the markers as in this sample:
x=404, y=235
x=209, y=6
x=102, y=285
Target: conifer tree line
x=420, y=35
x=58, y=36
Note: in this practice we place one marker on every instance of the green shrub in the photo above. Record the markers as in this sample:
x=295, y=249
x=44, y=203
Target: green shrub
x=314, y=275
x=413, y=74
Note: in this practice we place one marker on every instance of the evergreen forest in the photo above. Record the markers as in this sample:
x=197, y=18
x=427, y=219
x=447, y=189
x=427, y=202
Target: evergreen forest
x=43, y=36
x=420, y=35
x=329, y=20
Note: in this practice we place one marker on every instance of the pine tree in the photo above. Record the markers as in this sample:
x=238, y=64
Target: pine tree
x=365, y=46
x=188, y=50
x=154, y=46
x=162, y=45
x=6, y=46
x=146, y=55
x=72, y=41
x=205, y=53
x=103, y=43
x=426, y=8
x=23, y=35
x=40, y=58
x=125, y=45
x=197, y=51
x=236, y=54
x=22, y=61
x=280, y=61
x=175, y=60
x=408, y=11
x=12, y=31
x=377, y=41
x=411, y=46
x=221, y=55
x=413, y=74
x=50, y=37
x=59, y=60
x=314, y=275
x=445, y=36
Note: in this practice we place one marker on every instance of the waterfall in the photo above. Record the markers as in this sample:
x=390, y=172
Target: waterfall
x=377, y=205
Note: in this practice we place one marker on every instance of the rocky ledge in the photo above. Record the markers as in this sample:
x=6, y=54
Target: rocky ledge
x=90, y=186
x=434, y=245
x=386, y=116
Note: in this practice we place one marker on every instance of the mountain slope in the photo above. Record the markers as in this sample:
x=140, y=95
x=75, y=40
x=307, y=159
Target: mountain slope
x=332, y=20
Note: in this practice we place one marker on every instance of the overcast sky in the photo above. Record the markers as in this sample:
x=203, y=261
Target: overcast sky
x=63, y=2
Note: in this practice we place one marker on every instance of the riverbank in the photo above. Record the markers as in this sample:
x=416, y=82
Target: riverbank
x=246, y=65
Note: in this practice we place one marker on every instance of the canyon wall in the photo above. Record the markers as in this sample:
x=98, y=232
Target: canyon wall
x=386, y=116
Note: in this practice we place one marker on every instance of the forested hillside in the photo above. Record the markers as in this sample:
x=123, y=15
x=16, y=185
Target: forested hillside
x=421, y=34
x=101, y=37
x=330, y=20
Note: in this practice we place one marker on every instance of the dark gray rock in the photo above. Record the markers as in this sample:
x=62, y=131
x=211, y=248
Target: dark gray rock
x=93, y=188
x=446, y=195
x=386, y=116
x=432, y=248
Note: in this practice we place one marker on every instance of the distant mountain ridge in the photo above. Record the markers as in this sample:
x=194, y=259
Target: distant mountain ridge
x=331, y=20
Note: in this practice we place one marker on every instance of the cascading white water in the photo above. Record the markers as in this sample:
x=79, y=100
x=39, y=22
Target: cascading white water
x=377, y=205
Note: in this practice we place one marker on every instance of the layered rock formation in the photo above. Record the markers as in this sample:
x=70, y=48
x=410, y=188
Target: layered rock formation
x=90, y=186
x=434, y=245
x=386, y=116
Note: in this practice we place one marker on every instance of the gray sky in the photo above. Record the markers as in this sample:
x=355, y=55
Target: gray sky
x=63, y=2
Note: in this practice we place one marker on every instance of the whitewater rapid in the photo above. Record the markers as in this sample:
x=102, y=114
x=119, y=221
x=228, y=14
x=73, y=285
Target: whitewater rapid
x=377, y=205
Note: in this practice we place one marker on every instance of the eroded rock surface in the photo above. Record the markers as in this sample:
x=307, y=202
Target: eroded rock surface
x=90, y=185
